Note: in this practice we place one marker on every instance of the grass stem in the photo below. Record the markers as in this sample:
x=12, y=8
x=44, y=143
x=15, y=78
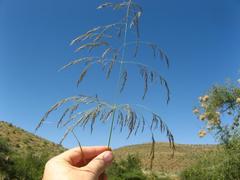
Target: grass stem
x=111, y=128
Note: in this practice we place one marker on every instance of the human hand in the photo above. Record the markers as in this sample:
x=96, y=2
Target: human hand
x=76, y=164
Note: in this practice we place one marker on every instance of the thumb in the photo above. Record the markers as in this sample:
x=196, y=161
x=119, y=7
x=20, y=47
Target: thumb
x=100, y=163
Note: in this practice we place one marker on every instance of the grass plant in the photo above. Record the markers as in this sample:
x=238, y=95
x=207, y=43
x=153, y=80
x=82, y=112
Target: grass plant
x=106, y=46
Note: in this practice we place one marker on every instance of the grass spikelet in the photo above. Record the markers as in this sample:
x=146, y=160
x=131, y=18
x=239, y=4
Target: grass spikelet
x=164, y=82
x=144, y=73
x=120, y=120
x=143, y=123
x=154, y=123
x=163, y=56
x=119, y=32
x=85, y=59
x=115, y=6
x=73, y=109
x=83, y=74
x=94, y=115
x=123, y=80
x=53, y=108
x=136, y=48
x=87, y=34
x=131, y=120
x=104, y=5
x=151, y=76
x=138, y=126
x=108, y=115
x=61, y=119
x=110, y=68
x=167, y=60
x=104, y=54
x=135, y=22
x=90, y=46
x=154, y=47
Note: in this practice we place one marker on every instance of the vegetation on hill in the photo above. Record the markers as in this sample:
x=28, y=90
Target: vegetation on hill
x=22, y=141
x=126, y=169
x=184, y=156
x=30, y=153
x=223, y=164
x=22, y=154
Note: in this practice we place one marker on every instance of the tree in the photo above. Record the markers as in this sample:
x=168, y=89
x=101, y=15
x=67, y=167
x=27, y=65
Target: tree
x=106, y=46
x=219, y=109
x=219, y=103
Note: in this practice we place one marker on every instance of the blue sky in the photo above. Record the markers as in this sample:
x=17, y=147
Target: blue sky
x=201, y=38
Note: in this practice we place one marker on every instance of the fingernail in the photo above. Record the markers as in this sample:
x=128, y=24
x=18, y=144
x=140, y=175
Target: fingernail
x=108, y=156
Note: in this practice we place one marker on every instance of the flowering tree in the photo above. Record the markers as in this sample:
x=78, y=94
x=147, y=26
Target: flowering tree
x=219, y=110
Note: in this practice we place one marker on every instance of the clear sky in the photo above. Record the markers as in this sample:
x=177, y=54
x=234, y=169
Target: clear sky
x=201, y=38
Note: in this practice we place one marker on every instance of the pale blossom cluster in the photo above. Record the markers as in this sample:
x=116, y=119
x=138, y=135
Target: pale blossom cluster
x=202, y=133
x=211, y=118
x=208, y=111
x=238, y=100
x=203, y=99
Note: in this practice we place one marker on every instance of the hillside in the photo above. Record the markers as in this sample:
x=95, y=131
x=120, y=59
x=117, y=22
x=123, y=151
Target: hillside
x=22, y=141
x=23, y=155
x=184, y=156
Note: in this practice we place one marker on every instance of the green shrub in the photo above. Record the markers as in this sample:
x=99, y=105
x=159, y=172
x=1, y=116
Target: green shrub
x=129, y=169
x=4, y=155
x=27, y=166
x=4, y=148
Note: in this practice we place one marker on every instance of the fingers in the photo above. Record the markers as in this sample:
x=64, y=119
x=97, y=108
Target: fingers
x=100, y=157
x=76, y=155
x=98, y=165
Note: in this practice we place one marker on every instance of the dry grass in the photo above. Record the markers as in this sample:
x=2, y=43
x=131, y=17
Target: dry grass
x=185, y=156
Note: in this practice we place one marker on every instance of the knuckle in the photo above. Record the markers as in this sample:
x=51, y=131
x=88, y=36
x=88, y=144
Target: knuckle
x=50, y=163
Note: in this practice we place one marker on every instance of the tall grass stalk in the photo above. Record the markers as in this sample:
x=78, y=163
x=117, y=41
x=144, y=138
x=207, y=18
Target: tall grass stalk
x=127, y=115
